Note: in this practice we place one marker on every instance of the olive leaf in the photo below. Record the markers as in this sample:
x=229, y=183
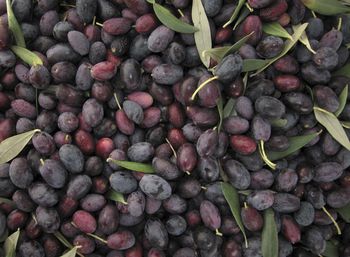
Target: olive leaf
x=344, y=212
x=343, y=97
x=116, y=196
x=333, y=126
x=203, y=36
x=14, y=25
x=220, y=107
x=12, y=146
x=275, y=29
x=218, y=53
x=269, y=236
x=305, y=41
x=288, y=45
x=279, y=123
x=253, y=64
x=63, y=240
x=326, y=7
x=295, y=143
x=7, y=201
x=229, y=108
x=331, y=250
x=235, y=13
x=11, y=244
x=169, y=20
x=232, y=198
x=27, y=56
x=71, y=253
x=134, y=166
x=343, y=71
x=244, y=13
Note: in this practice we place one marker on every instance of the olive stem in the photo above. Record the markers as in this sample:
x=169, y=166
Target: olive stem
x=203, y=85
x=42, y=162
x=34, y=218
x=264, y=156
x=333, y=220
x=217, y=232
x=172, y=148
x=181, y=13
x=245, y=205
x=203, y=187
x=117, y=101
x=94, y=21
x=97, y=237
x=249, y=7
x=340, y=23
x=314, y=14
x=99, y=24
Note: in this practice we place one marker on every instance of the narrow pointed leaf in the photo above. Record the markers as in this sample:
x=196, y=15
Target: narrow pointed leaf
x=11, y=244
x=345, y=213
x=218, y=53
x=275, y=29
x=331, y=250
x=235, y=13
x=305, y=41
x=71, y=253
x=244, y=13
x=134, y=166
x=279, y=123
x=63, y=240
x=333, y=126
x=253, y=64
x=326, y=7
x=344, y=71
x=172, y=22
x=14, y=25
x=288, y=45
x=345, y=124
x=203, y=36
x=269, y=236
x=27, y=56
x=116, y=196
x=295, y=143
x=12, y=146
x=220, y=106
x=343, y=97
x=229, y=108
x=232, y=198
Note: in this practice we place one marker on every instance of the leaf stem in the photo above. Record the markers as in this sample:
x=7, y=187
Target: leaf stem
x=333, y=220
x=203, y=85
x=97, y=237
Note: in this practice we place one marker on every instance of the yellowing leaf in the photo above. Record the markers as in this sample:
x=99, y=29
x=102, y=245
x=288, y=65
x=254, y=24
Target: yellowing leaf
x=275, y=29
x=134, y=166
x=343, y=97
x=203, y=36
x=27, y=56
x=12, y=146
x=326, y=7
x=169, y=20
x=116, y=196
x=11, y=244
x=269, y=236
x=14, y=25
x=333, y=126
x=235, y=13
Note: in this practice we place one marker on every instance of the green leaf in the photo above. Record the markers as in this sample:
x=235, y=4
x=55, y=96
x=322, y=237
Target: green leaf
x=220, y=106
x=12, y=146
x=11, y=244
x=235, y=13
x=333, y=126
x=232, y=198
x=343, y=71
x=169, y=20
x=305, y=41
x=134, y=166
x=269, y=236
x=27, y=56
x=229, y=108
x=244, y=13
x=326, y=7
x=63, y=240
x=295, y=143
x=116, y=196
x=71, y=253
x=14, y=25
x=253, y=64
x=345, y=213
x=263, y=155
x=288, y=45
x=275, y=29
x=345, y=124
x=343, y=97
x=279, y=123
x=203, y=36
x=219, y=53
x=5, y=200
x=331, y=250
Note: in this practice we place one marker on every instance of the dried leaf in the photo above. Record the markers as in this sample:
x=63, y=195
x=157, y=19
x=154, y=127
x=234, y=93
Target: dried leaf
x=235, y=13
x=326, y=7
x=331, y=250
x=220, y=106
x=11, y=244
x=269, y=236
x=12, y=146
x=333, y=126
x=169, y=20
x=203, y=36
x=27, y=56
x=232, y=198
x=134, y=166
x=14, y=25
x=218, y=53
x=343, y=97
x=295, y=143
x=275, y=29
x=116, y=196
x=345, y=213
x=253, y=64
x=71, y=253
x=343, y=71
x=229, y=108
